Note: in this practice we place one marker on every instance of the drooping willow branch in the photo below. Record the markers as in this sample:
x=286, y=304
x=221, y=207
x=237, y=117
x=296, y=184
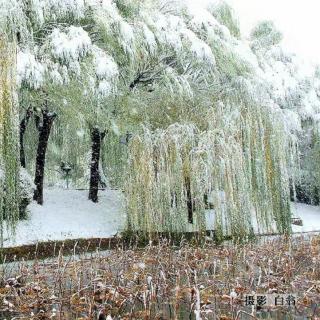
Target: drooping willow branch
x=9, y=138
x=23, y=126
x=237, y=168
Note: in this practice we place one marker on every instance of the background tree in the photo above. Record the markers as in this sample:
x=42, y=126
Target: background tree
x=108, y=71
x=292, y=85
x=10, y=24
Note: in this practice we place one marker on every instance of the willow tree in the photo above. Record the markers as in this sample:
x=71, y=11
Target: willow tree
x=116, y=36
x=108, y=67
x=293, y=86
x=120, y=58
x=11, y=22
x=9, y=162
x=14, y=194
x=39, y=74
x=238, y=167
x=191, y=163
x=32, y=79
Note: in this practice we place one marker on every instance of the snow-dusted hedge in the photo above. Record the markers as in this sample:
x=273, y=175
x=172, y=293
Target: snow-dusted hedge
x=26, y=189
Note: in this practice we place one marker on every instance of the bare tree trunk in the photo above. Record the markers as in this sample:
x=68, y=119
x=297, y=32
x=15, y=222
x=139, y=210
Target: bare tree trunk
x=96, y=138
x=23, y=127
x=44, y=133
x=190, y=201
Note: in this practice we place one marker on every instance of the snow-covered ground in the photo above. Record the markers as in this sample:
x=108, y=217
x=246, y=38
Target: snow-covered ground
x=67, y=214
x=310, y=216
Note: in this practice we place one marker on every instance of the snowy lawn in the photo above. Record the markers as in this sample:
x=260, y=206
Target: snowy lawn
x=68, y=214
x=310, y=216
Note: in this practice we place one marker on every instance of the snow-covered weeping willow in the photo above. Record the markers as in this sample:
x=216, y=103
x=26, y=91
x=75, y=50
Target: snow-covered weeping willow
x=124, y=62
x=127, y=49
x=293, y=84
x=9, y=165
x=239, y=164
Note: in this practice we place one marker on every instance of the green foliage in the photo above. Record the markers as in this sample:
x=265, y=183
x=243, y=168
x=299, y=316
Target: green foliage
x=223, y=12
x=228, y=63
x=239, y=163
x=128, y=8
x=265, y=35
x=308, y=176
x=9, y=162
x=178, y=93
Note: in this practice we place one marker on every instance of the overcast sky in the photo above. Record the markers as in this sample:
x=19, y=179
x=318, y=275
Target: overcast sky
x=298, y=20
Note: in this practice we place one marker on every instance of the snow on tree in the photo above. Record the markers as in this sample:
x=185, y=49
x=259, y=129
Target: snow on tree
x=137, y=51
x=9, y=162
x=176, y=174
x=29, y=70
x=293, y=86
x=173, y=172
x=98, y=74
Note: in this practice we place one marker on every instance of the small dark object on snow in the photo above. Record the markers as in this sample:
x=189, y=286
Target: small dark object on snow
x=66, y=169
x=297, y=221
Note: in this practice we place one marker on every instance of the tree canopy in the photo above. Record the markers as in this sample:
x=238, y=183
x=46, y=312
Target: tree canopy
x=123, y=69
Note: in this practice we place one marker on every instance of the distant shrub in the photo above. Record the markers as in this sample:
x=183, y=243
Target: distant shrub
x=265, y=35
x=26, y=190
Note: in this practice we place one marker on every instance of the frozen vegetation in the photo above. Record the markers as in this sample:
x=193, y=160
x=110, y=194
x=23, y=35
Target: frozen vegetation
x=157, y=122
x=211, y=282
x=161, y=100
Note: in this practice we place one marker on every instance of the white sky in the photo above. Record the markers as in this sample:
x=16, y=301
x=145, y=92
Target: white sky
x=298, y=20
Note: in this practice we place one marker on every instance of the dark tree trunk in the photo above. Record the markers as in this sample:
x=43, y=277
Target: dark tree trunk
x=23, y=127
x=190, y=202
x=96, y=138
x=44, y=133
